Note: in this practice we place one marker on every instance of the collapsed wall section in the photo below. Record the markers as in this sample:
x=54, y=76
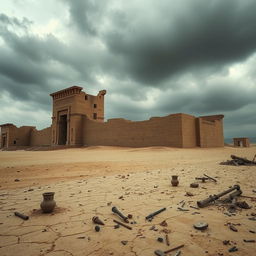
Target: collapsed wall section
x=41, y=137
x=157, y=131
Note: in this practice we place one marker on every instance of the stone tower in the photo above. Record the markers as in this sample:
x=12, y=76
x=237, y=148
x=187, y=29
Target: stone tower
x=70, y=107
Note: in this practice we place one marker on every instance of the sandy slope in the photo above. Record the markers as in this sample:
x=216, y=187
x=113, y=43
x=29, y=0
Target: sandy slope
x=89, y=181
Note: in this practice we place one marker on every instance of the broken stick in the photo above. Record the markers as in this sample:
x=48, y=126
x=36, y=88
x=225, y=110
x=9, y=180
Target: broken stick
x=122, y=224
x=210, y=178
x=167, y=239
x=173, y=249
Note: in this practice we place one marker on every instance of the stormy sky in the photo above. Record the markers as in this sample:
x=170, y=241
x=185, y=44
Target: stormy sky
x=154, y=58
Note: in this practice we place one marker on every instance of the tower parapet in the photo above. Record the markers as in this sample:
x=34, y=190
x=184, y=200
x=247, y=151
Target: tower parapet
x=66, y=92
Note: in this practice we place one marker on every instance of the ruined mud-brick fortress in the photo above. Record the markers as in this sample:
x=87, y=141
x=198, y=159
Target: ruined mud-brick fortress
x=78, y=120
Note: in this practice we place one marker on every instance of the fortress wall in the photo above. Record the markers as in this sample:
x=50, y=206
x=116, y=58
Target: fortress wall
x=22, y=135
x=76, y=130
x=17, y=136
x=158, y=131
x=189, y=135
x=211, y=133
x=9, y=132
x=41, y=137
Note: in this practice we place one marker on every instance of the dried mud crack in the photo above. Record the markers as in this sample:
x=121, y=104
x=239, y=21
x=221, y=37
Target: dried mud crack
x=138, y=190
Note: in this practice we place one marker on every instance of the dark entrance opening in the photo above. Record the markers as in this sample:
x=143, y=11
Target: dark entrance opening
x=63, y=130
x=3, y=141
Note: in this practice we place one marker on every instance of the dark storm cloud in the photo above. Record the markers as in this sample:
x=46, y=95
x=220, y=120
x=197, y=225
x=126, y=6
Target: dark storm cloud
x=207, y=34
x=191, y=34
x=225, y=99
x=12, y=21
x=245, y=117
x=21, y=72
x=240, y=123
x=153, y=57
x=85, y=14
x=31, y=67
x=208, y=98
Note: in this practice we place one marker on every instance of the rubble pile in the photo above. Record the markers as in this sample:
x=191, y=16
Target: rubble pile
x=236, y=161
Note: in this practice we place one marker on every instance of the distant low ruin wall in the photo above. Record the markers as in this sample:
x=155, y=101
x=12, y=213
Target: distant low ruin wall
x=211, y=133
x=157, y=131
x=41, y=137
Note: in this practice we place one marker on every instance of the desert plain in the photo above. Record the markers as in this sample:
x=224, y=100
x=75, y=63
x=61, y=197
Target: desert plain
x=89, y=181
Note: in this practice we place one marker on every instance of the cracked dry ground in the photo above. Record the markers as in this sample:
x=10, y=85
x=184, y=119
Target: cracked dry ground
x=89, y=182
